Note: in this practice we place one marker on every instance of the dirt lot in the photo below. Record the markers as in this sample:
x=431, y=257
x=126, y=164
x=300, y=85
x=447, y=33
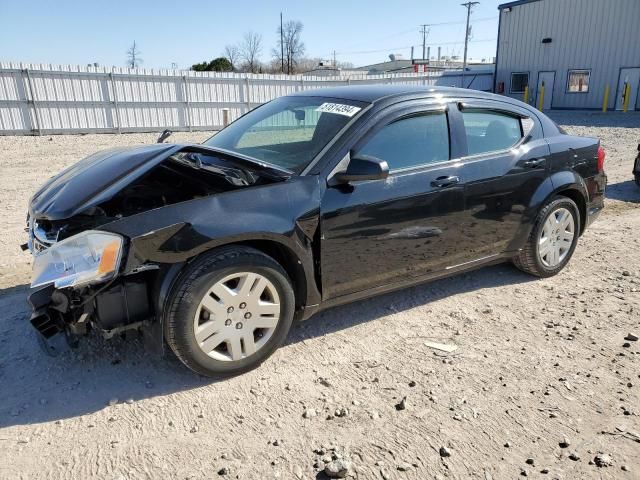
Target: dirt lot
x=539, y=362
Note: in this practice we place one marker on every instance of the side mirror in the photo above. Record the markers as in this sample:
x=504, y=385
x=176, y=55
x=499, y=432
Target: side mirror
x=363, y=167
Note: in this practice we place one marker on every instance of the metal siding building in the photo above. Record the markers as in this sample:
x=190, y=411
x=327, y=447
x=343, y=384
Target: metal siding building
x=597, y=40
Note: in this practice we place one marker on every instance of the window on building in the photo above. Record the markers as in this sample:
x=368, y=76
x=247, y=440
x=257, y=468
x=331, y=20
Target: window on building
x=518, y=82
x=578, y=81
x=411, y=142
x=490, y=131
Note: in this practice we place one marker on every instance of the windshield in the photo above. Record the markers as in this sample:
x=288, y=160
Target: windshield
x=287, y=132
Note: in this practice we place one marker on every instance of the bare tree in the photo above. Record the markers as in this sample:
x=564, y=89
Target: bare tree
x=289, y=44
x=345, y=65
x=232, y=53
x=134, y=60
x=250, y=50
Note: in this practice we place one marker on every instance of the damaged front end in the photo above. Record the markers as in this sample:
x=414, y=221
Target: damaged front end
x=76, y=285
x=85, y=276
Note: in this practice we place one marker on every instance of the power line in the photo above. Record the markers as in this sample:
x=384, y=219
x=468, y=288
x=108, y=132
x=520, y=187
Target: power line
x=389, y=49
x=411, y=30
x=459, y=22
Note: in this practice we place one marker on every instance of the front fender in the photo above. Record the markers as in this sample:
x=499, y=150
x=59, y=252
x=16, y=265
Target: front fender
x=286, y=213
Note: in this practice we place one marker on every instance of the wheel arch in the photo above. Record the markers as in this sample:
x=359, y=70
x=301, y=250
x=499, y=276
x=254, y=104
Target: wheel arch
x=571, y=185
x=289, y=260
x=578, y=198
x=281, y=253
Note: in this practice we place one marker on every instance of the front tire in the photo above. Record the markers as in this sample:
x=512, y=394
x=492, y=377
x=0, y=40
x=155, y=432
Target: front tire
x=553, y=239
x=230, y=310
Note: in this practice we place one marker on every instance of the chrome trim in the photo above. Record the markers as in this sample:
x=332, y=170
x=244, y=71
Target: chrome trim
x=39, y=240
x=472, y=261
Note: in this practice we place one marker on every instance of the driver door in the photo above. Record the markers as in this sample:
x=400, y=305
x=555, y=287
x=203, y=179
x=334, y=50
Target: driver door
x=381, y=232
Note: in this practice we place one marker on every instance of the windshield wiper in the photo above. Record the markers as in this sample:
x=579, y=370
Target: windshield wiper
x=265, y=168
x=233, y=174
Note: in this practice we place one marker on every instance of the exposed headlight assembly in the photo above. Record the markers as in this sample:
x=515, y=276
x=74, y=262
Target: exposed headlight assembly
x=87, y=258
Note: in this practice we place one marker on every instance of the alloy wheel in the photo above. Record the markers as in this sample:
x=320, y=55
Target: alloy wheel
x=237, y=316
x=556, y=237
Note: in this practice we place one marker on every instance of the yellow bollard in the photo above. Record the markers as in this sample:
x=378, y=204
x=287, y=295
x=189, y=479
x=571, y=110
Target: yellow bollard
x=627, y=94
x=541, y=102
x=605, y=100
x=526, y=94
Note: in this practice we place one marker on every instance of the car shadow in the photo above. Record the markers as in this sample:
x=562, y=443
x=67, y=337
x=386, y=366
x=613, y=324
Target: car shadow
x=626, y=191
x=38, y=388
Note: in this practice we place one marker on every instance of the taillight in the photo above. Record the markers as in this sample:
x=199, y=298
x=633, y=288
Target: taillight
x=601, y=155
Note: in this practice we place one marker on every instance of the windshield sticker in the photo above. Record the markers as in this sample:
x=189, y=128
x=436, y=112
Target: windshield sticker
x=339, y=108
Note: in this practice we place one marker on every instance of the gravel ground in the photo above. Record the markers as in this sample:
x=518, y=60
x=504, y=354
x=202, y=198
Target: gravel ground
x=543, y=382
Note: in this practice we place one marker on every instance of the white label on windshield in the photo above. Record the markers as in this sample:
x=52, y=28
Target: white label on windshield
x=339, y=108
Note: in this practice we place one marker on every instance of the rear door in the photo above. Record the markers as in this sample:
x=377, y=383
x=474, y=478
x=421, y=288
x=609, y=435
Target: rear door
x=628, y=85
x=381, y=232
x=546, y=82
x=505, y=163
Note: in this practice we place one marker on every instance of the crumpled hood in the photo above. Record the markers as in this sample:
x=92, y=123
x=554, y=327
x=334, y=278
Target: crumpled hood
x=95, y=179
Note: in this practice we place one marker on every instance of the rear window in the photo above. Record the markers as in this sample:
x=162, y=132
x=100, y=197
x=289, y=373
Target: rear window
x=490, y=131
x=560, y=129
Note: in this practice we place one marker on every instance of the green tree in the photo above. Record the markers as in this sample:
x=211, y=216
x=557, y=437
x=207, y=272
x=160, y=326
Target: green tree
x=200, y=67
x=219, y=64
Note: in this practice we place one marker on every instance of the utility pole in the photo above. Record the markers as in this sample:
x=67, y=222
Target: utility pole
x=281, y=44
x=468, y=5
x=424, y=40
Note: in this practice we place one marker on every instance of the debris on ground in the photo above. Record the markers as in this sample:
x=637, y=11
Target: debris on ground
x=441, y=346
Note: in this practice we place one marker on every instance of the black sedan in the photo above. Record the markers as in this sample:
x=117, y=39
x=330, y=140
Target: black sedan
x=309, y=201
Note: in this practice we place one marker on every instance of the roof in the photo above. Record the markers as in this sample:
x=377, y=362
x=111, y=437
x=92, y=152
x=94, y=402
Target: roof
x=515, y=4
x=373, y=93
x=387, y=66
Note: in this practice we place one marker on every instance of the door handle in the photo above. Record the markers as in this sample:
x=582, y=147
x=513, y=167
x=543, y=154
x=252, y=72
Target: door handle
x=445, y=181
x=535, y=163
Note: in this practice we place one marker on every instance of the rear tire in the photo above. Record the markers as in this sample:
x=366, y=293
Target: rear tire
x=552, y=240
x=230, y=310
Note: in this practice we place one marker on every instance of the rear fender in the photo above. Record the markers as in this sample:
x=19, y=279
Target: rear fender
x=555, y=184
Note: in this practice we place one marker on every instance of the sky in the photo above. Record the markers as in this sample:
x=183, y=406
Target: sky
x=190, y=31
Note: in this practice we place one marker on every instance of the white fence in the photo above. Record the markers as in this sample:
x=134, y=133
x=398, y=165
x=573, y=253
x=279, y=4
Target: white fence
x=45, y=99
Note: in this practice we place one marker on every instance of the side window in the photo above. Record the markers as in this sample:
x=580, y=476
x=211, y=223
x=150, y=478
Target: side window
x=490, y=131
x=411, y=141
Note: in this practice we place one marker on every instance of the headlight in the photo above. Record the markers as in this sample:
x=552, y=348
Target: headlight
x=86, y=258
